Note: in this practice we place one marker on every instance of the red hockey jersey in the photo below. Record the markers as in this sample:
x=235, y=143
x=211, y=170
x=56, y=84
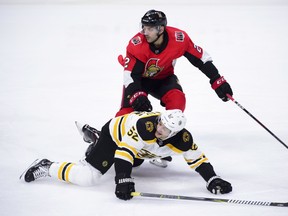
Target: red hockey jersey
x=160, y=63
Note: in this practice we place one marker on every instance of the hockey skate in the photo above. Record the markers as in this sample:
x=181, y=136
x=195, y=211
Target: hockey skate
x=90, y=135
x=38, y=169
x=161, y=162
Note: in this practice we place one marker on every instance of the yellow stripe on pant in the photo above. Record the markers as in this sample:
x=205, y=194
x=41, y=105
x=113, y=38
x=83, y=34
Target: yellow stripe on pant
x=64, y=170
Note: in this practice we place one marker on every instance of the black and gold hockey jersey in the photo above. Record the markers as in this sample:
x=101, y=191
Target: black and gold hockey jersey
x=134, y=135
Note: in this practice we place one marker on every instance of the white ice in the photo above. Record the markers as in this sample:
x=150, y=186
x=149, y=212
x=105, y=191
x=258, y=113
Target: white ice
x=58, y=64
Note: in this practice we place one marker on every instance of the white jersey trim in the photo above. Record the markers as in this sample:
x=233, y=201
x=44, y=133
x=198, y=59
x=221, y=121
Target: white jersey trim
x=206, y=57
x=127, y=79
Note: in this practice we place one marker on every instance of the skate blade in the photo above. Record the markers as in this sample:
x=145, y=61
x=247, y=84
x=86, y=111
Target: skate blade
x=79, y=127
x=35, y=162
x=158, y=163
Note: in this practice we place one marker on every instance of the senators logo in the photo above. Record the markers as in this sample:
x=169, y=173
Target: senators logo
x=152, y=68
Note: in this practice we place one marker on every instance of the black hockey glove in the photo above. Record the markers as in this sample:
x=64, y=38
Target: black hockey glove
x=124, y=187
x=217, y=185
x=221, y=87
x=140, y=102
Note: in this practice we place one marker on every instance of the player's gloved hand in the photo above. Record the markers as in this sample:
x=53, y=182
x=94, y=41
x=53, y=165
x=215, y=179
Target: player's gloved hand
x=217, y=185
x=221, y=87
x=124, y=187
x=140, y=102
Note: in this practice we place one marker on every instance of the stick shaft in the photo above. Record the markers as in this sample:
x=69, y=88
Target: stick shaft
x=206, y=199
x=245, y=110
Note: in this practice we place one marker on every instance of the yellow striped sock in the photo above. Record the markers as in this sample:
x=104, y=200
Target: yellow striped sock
x=64, y=170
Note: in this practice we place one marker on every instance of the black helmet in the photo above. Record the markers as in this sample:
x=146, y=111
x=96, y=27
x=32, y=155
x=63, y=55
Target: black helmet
x=154, y=18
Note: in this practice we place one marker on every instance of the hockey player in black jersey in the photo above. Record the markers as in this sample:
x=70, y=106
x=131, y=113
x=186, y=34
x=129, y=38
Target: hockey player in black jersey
x=126, y=141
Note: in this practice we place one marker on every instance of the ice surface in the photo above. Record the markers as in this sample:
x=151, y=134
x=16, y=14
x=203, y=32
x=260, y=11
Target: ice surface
x=58, y=64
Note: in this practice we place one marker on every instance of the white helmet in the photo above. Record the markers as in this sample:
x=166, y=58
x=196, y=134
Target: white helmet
x=174, y=120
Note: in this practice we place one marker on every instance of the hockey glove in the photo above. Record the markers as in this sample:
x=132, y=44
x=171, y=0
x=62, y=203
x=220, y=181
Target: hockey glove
x=140, y=102
x=221, y=87
x=124, y=187
x=217, y=185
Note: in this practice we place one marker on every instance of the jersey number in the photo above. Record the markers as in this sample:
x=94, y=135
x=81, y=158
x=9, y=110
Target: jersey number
x=133, y=134
x=198, y=48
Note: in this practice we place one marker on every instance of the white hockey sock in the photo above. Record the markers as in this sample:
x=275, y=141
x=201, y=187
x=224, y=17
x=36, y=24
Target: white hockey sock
x=82, y=174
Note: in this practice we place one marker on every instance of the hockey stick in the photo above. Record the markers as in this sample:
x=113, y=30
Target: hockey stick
x=217, y=200
x=239, y=105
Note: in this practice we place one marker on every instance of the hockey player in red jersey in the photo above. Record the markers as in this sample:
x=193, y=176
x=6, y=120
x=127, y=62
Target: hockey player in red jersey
x=149, y=67
x=126, y=141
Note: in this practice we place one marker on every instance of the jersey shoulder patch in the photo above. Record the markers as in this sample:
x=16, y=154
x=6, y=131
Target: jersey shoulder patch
x=182, y=140
x=146, y=127
x=136, y=40
x=176, y=34
x=138, y=47
x=179, y=36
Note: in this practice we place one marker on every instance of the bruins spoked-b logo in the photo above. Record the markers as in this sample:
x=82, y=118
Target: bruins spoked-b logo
x=105, y=163
x=152, y=68
x=186, y=137
x=149, y=126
